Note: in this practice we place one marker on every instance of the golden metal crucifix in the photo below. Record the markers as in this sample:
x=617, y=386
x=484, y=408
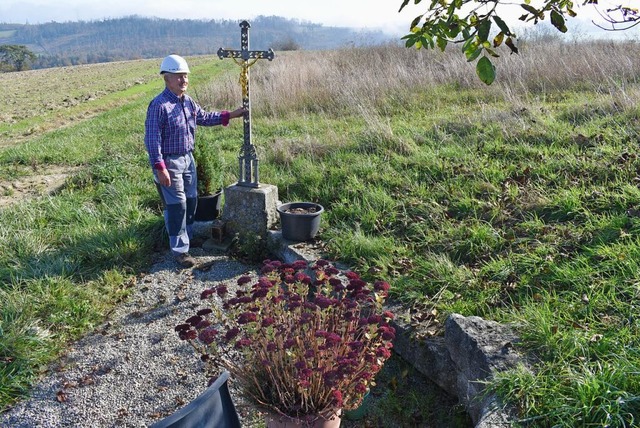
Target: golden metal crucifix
x=245, y=58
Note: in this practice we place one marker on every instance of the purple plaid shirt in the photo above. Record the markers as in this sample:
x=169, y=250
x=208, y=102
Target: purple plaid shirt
x=170, y=127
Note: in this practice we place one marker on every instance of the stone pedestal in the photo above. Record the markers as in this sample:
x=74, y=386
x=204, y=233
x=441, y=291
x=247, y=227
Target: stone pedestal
x=250, y=211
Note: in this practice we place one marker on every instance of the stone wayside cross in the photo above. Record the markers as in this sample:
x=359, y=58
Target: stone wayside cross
x=245, y=58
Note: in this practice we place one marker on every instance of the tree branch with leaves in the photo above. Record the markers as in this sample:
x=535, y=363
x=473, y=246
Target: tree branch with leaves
x=479, y=28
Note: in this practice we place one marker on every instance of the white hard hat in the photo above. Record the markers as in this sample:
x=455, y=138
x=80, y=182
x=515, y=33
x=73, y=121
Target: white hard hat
x=174, y=64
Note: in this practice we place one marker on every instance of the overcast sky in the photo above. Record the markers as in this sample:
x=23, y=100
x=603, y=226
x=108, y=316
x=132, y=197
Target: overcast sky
x=345, y=13
x=371, y=14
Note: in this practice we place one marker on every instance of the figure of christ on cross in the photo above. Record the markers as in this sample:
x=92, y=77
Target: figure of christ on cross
x=245, y=58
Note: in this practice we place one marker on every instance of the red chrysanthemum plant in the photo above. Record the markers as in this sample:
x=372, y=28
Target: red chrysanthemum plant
x=299, y=346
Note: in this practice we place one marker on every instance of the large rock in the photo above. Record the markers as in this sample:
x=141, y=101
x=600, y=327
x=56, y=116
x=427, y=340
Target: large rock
x=471, y=351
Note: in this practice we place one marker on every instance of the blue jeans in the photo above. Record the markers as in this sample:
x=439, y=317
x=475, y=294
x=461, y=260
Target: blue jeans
x=179, y=200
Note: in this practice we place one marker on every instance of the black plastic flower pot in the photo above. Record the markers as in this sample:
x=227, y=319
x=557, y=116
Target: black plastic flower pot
x=208, y=207
x=300, y=221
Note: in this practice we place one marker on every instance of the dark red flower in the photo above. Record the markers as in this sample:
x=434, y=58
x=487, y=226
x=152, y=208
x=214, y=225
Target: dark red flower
x=304, y=383
x=264, y=283
x=351, y=275
x=205, y=311
x=182, y=327
x=233, y=332
x=337, y=285
x=242, y=343
x=244, y=279
x=356, y=284
x=383, y=352
x=260, y=293
x=337, y=398
x=203, y=324
x=288, y=343
x=271, y=347
x=387, y=332
x=361, y=388
x=293, y=305
x=381, y=286
x=222, y=290
x=306, y=317
x=303, y=278
x=375, y=319
x=350, y=304
x=323, y=302
x=333, y=339
x=206, y=293
x=356, y=345
x=246, y=317
x=208, y=335
x=299, y=265
x=266, y=322
x=194, y=320
x=331, y=271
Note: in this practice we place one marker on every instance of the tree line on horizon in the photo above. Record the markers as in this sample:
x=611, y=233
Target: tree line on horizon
x=56, y=44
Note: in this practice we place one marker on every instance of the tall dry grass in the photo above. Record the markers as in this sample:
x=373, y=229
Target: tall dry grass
x=347, y=80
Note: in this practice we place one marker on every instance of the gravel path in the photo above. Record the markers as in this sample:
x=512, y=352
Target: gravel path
x=133, y=370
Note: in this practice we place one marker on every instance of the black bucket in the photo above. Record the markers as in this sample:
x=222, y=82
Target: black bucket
x=303, y=225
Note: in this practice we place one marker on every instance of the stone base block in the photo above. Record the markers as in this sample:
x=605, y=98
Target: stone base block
x=250, y=210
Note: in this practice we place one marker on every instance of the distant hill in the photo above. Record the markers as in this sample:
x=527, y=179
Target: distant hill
x=85, y=42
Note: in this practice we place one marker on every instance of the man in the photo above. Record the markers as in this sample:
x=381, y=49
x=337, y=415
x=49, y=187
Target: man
x=170, y=128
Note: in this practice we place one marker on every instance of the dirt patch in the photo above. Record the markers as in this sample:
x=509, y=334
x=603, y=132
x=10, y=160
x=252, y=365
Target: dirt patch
x=39, y=183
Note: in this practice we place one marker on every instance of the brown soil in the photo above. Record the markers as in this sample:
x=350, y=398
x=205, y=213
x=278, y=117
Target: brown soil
x=42, y=182
x=310, y=210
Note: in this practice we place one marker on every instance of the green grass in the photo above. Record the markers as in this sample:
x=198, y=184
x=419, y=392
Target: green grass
x=518, y=205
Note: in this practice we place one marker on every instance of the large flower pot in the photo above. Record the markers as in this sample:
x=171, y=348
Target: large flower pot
x=208, y=207
x=359, y=412
x=300, y=221
x=279, y=421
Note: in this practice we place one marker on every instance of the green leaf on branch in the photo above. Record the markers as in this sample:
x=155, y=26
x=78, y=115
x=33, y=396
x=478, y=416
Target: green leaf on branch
x=532, y=10
x=486, y=70
x=453, y=30
x=415, y=22
x=502, y=25
x=473, y=53
x=442, y=43
x=483, y=30
x=498, y=39
x=410, y=42
x=558, y=21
